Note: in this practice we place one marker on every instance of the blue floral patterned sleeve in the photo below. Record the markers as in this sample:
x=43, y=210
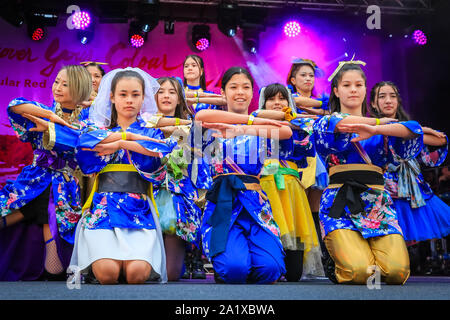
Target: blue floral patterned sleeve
x=433, y=156
x=379, y=217
x=407, y=149
x=21, y=125
x=325, y=137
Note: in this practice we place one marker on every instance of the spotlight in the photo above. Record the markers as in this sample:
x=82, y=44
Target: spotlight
x=202, y=44
x=169, y=27
x=11, y=13
x=36, y=33
x=37, y=21
x=228, y=18
x=201, y=38
x=419, y=37
x=136, y=36
x=85, y=36
x=137, y=40
x=292, y=29
x=81, y=20
x=251, y=40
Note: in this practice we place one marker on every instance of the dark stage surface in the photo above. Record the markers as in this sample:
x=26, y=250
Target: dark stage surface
x=416, y=288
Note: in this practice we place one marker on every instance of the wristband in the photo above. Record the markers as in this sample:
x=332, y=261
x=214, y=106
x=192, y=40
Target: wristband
x=321, y=103
x=195, y=94
x=251, y=118
x=377, y=122
x=177, y=121
x=124, y=135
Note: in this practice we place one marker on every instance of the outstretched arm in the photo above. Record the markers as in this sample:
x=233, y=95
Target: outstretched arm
x=366, y=131
x=219, y=116
x=229, y=131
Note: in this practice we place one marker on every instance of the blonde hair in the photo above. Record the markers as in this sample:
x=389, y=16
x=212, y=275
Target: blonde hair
x=80, y=83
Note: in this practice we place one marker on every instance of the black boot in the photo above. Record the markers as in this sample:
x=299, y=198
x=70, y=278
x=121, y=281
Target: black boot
x=188, y=266
x=198, y=272
x=294, y=265
x=329, y=267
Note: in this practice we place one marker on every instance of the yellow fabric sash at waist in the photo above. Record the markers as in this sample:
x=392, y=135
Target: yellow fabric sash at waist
x=111, y=168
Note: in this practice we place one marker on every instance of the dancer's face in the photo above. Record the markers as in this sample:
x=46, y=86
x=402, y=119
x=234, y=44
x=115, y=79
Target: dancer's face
x=192, y=70
x=304, y=79
x=60, y=89
x=128, y=97
x=387, y=101
x=167, y=99
x=351, y=91
x=96, y=77
x=277, y=102
x=238, y=93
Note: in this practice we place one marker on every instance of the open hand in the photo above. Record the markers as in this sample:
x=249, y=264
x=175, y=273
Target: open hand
x=223, y=130
x=41, y=124
x=104, y=149
x=57, y=119
x=364, y=131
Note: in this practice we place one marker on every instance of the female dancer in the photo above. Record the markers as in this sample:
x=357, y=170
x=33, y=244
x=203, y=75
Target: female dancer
x=239, y=234
x=96, y=71
x=357, y=217
x=175, y=199
x=301, y=80
x=119, y=232
x=421, y=214
x=281, y=183
x=45, y=197
x=195, y=86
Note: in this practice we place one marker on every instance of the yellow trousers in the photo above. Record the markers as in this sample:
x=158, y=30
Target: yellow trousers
x=355, y=257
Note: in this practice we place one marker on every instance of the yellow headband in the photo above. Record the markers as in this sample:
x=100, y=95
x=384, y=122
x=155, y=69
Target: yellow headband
x=342, y=63
x=85, y=63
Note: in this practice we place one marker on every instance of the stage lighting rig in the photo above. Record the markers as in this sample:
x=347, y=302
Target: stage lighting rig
x=228, y=18
x=136, y=36
x=201, y=38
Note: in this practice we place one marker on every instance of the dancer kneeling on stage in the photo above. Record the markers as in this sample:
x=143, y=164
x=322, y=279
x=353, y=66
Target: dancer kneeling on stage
x=357, y=217
x=239, y=234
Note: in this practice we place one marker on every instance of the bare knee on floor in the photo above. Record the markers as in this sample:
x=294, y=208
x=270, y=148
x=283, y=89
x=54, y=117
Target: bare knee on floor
x=106, y=271
x=137, y=272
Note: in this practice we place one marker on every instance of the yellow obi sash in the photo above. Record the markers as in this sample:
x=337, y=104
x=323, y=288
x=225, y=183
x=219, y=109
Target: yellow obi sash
x=115, y=168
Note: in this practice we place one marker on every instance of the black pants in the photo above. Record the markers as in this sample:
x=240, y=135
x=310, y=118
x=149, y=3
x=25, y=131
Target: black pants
x=36, y=211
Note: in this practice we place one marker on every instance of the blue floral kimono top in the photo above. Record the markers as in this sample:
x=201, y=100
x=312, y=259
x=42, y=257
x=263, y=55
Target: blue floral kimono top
x=182, y=190
x=324, y=98
x=122, y=209
x=295, y=149
x=403, y=179
x=380, y=217
x=50, y=166
x=243, y=155
x=201, y=106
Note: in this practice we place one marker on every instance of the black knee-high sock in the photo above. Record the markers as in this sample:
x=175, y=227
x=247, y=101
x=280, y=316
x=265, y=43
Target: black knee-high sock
x=317, y=225
x=294, y=265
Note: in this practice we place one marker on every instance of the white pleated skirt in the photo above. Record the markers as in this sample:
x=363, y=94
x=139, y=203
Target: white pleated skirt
x=120, y=244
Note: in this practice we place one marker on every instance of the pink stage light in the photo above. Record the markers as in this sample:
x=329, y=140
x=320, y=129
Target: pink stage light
x=292, y=29
x=81, y=20
x=419, y=37
x=137, y=41
x=38, y=34
x=202, y=44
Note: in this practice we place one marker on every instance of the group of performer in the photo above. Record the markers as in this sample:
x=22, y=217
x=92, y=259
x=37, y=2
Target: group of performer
x=135, y=179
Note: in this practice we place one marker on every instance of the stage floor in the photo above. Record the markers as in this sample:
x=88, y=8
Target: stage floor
x=416, y=288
